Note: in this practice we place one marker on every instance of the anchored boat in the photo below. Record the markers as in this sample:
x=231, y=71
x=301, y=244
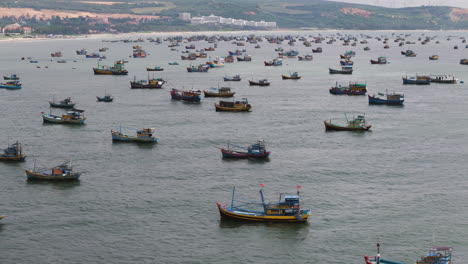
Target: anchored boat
x=13, y=152
x=357, y=123
x=255, y=151
x=234, y=106
x=62, y=172
x=75, y=116
x=262, y=82
x=387, y=98
x=65, y=103
x=145, y=135
x=219, y=92
x=287, y=209
x=11, y=85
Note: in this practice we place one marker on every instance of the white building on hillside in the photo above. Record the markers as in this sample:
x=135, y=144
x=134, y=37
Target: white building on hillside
x=185, y=16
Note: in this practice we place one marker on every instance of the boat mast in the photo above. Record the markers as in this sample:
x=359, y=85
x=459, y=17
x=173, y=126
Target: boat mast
x=263, y=200
x=232, y=199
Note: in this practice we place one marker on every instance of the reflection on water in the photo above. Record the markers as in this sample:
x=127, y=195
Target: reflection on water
x=59, y=185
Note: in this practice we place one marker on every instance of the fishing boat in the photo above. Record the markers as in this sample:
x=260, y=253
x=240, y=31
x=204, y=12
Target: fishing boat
x=379, y=260
x=434, y=57
x=245, y=58
x=380, y=60
x=145, y=135
x=33, y=61
x=105, y=98
x=62, y=172
x=199, y=68
x=274, y=62
x=81, y=52
x=292, y=76
x=387, y=98
x=61, y=61
x=155, y=69
x=92, y=55
x=213, y=64
x=65, y=103
x=13, y=152
x=366, y=48
x=117, y=69
x=255, y=151
x=188, y=96
x=11, y=85
x=233, y=106
x=408, y=53
x=235, y=78
x=447, y=79
x=147, y=84
x=219, y=92
x=307, y=57
x=346, y=63
x=354, y=88
x=140, y=54
x=344, y=70
x=74, y=116
x=464, y=61
x=12, y=77
x=357, y=123
x=437, y=255
x=418, y=80
x=287, y=209
x=173, y=63
x=56, y=54
x=317, y=50
x=262, y=82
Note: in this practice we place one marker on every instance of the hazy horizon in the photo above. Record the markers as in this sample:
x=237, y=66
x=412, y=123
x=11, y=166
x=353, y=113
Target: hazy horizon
x=409, y=3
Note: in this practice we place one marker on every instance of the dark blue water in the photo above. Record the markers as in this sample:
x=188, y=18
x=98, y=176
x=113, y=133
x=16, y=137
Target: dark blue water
x=403, y=183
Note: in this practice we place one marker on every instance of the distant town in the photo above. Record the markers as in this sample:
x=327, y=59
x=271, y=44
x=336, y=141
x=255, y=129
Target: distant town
x=215, y=20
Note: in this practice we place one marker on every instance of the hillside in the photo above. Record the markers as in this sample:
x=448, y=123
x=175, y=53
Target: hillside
x=75, y=16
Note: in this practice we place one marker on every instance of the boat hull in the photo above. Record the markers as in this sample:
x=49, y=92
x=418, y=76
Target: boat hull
x=258, y=83
x=333, y=71
x=13, y=158
x=208, y=94
x=107, y=72
x=135, y=85
x=50, y=177
x=232, y=109
x=252, y=217
x=290, y=77
x=332, y=127
x=417, y=82
x=59, y=105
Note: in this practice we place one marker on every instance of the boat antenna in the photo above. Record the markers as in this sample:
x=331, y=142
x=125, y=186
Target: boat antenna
x=298, y=187
x=233, y=193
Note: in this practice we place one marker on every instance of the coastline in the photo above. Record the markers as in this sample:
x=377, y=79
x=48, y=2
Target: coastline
x=105, y=36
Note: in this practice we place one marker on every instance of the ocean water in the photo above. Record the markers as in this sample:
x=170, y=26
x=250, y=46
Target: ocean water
x=403, y=183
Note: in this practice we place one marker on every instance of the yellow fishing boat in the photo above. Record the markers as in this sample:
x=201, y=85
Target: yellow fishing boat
x=285, y=210
x=236, y=106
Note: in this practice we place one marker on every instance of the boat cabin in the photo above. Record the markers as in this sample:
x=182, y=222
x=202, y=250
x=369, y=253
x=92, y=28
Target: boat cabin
x=145, y=133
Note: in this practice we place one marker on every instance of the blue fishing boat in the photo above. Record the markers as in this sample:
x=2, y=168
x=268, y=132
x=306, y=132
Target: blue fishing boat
x=71, y=117
x=105, y=98
x=145, y=135
x=188, y=96
x=287, y=209
x=13, y=152
x=378, y=260
x=13, y=77
x=436, y=255
x=254, y=151
x=62, y=172
x=11, y=85
x=418, y=80
x=387, y=98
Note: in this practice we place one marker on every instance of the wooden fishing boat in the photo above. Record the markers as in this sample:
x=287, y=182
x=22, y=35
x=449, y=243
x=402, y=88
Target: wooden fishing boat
x=11, y=85
x=354, y=88
x=446, y=79
x=12, y=77
x=155, y=69
x=219, y=92
x=117, y=69
x=13, y=152
x=274, y=62
x=254, y=151
x=307, y=57
x=387, y=98
x=62, y=172
x=56, y=54
x=140, y=54
x=105, y=98
x=145, y=135
x=199, y=68
x=147, y=84
x=317, y=50
x=418, y=80
x=245, y=58
x=92, y=55
x=233, y=106
x=380, y=60
x=434, y=57
x=464, y=61
x=74, y=116
x=262, y=82
x=287, y=209
x=81, y=52
x=235, y=78
x=344, y=70
x=292, y=76
x=355, y=124
x=188, y=96
x=65, y=103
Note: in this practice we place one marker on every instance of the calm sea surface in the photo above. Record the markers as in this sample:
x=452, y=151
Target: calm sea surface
x=404, y=183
